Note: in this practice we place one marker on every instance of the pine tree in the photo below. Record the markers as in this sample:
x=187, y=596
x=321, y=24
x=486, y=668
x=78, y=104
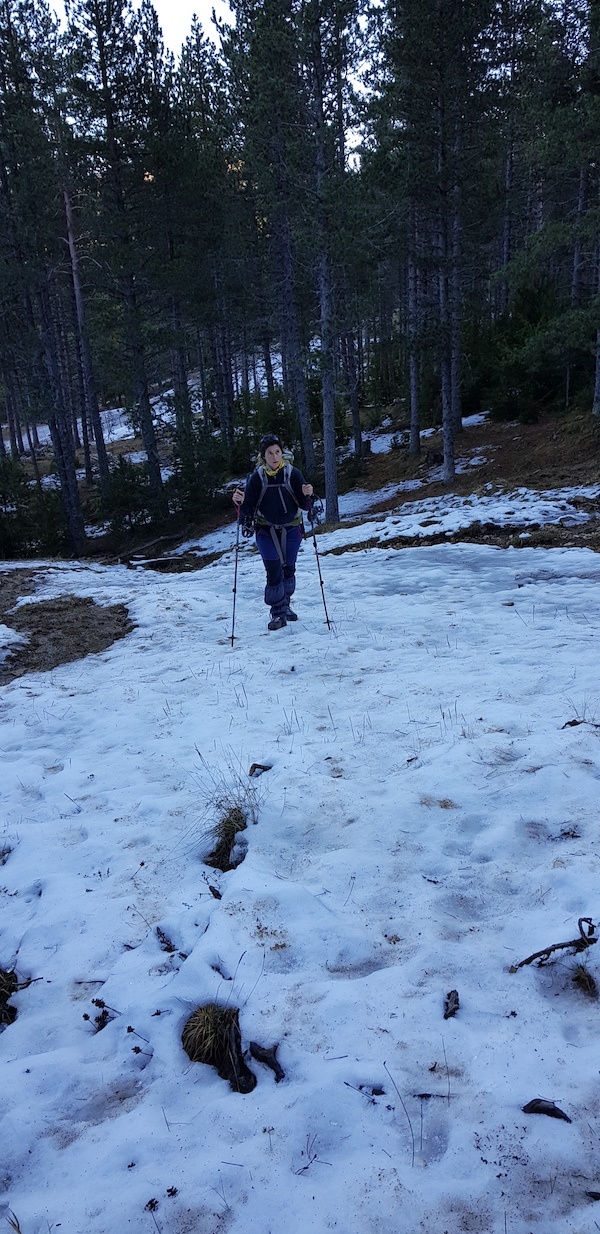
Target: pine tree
x=104, y=39
x=30, y=238
x=263, y=58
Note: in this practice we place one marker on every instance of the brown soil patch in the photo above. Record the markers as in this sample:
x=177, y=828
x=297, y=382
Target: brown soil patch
x=14, y=584
x=550, y=454
x=554, y=453
x=58, y=631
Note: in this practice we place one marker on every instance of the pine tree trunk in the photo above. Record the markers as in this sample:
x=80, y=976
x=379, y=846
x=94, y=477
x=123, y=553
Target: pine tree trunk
x=596, y=402
x=14, y=403
x=245, y=365
x=90, y=401
x=349, y=352
x=60, y=429
x=179, y=370
x=596, y=399
x=181, y=391
x=324, y=280
x=135, y=349
x=456, y=297
x=506, y=227
x=290, y=339
x=69, y=399
x=224, y=402
x=12, y=431
x=266, y=348
x=202, y=375
x=414, y=446
x=577, y=247
x=445, y=352
x=328, y=391
x=361, y=358
x=34, y=462
x=85, y=435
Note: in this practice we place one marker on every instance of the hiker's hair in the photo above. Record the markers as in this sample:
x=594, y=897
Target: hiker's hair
x=270, y=439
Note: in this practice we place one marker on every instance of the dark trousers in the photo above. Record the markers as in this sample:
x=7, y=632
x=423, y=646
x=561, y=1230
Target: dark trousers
x=281, y=575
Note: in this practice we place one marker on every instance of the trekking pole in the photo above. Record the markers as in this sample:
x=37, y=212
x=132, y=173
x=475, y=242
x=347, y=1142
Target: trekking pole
x=312, y=523
x=237, y=553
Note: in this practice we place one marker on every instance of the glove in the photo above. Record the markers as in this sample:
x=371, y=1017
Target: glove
x=247, y=526
x=315, y=511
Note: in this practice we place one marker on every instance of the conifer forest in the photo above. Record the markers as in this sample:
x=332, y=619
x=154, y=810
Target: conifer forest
x=329, y=209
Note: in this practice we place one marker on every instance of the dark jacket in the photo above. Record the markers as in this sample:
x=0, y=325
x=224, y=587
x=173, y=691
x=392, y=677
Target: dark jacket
x=278, y=508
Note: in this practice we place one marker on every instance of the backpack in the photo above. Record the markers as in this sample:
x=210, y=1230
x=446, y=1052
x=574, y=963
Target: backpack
x=287, y=470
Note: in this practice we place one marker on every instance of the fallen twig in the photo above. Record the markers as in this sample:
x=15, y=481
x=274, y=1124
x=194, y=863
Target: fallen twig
x=584, y=941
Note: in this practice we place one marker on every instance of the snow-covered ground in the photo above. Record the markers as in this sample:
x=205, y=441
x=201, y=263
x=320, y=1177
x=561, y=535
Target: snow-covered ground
x=432, y=515
x=430, y=819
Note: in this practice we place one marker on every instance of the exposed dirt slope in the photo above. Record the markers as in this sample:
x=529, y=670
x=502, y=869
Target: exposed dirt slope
x=57, y=631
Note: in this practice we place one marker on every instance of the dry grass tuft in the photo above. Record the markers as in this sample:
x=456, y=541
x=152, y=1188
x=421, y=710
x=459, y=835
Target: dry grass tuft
x=212, y=1036
x=231, y=801
x=582, y=978
x=225, y=833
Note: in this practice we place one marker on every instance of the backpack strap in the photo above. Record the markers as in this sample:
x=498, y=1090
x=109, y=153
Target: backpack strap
x=287, y=471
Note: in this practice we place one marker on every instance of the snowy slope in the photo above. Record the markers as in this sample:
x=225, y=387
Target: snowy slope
x=428, y=822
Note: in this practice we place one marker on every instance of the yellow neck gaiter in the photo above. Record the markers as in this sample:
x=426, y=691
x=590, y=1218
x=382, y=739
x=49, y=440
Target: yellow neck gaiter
x=277, y=469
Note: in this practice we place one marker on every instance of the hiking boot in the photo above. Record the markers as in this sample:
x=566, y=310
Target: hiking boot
x=276, y=623
x=290, y=616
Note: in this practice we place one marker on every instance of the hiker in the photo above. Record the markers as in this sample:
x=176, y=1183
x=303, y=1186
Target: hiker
x=271, y=504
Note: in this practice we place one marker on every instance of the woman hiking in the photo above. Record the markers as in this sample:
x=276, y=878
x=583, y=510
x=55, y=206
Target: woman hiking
x=272, y=501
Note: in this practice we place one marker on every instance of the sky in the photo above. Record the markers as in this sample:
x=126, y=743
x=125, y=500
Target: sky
x=428, y=820
x=175, y=17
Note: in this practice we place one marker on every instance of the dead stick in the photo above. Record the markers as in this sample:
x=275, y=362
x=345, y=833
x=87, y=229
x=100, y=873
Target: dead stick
x=578, y=944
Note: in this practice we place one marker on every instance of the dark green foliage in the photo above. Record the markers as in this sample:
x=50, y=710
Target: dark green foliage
x=258, y=414
x=219, y=219
x=198, y=471
x=523, y=359
x=129, y=502
x=383, y=379
x=31, y=520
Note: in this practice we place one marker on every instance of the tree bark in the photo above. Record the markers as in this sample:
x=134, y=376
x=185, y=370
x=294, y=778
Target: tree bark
x=596, y=399
x=60, y=429
x=90, y=401
x=290, y=338
x=222, y=387
x=456, y=296
x=266, y=348
x=414, y=446
x=140, y=386
x=324, y=280
x=445, y=353
x=12, y=434
x=349, y=355
x=506, y=227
